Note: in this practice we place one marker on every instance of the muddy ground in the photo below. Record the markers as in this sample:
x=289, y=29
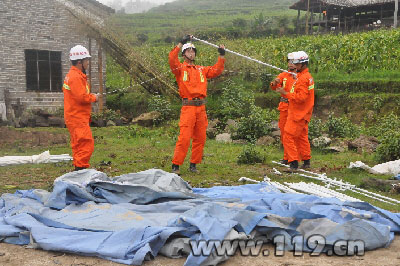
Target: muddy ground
x=12, y=255
x=11, y=137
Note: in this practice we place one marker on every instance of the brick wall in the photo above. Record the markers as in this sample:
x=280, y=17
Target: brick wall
x=41, y=25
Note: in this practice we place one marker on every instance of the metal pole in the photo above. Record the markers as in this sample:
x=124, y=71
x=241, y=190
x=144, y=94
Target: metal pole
x=90, y=63
x=343, y=185
x=247, y=57
x=307, y=15
x=396, y=10
x=100, y=65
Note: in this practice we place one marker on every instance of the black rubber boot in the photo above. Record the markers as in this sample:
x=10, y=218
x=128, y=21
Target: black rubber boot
x=175, y=169
x=294, y=165
x=193, y=169
x=306, y=164
x=284, y=161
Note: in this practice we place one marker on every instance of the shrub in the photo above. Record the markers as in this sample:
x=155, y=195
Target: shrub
x=255, y=125
x=107, y=114
x=163, y=106
x=142, y=38
x=130, y=104
x=341, y=127
x=383, y=125
x=377, y=103
x=250, y=155
x=236, y=101
x=315, y=128
x=389, y=149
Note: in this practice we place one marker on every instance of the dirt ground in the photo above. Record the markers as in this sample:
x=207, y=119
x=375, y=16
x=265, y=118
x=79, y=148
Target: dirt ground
x=10, y=136
x=12, y=255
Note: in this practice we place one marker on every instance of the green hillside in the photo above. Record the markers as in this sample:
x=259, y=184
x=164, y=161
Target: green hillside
x=207, y=18
x=358, y=57
x=224, y=5
x=358, y=66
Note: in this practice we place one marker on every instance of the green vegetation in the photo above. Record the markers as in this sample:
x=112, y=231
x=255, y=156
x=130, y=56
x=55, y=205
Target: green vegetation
x=207, y=18
x=362, y=57
x=250, y=155
x=160, y=104
x=133, y=149
x=341, y=127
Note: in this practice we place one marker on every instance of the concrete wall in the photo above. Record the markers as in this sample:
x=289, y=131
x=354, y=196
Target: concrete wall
x=40, y=25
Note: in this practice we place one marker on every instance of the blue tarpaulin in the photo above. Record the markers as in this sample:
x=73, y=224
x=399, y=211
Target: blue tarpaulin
x=128, y=219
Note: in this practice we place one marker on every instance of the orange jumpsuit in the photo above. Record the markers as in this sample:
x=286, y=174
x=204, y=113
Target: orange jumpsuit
x=301, y=103
x=77, y=110
x=287, y=82
x=192, y=83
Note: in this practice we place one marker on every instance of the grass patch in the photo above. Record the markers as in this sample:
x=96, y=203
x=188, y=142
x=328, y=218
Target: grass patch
x=133, y=149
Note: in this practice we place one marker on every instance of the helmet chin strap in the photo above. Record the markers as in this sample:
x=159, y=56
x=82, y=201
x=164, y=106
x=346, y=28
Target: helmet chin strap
x=191, y=60
x=83, y=69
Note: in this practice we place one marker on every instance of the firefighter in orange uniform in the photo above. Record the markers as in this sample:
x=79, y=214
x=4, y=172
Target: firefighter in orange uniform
x=192, y=83
x=78, y=106
x=284, y=80
x=301, y=103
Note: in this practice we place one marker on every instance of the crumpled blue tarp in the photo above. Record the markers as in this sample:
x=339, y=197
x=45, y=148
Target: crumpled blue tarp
x=125, y=221
x=139, y=188
x=397, y=177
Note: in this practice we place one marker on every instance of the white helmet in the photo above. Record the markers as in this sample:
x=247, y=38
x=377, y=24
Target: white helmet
x=78, y=52
x=187, y=46
x=290, y=56
x=300, y=57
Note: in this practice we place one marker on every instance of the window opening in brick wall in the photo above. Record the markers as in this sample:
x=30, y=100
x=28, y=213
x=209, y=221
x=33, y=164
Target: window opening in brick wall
x=43, y=70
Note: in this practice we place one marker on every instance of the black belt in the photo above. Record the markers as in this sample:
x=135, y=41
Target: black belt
x=193, y=102
x=284, y=100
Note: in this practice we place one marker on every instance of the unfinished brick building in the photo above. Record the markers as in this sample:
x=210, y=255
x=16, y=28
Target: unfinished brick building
x=35, y=39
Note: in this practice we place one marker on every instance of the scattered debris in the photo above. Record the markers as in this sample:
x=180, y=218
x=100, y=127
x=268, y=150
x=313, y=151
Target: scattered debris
x=364, y=143
x=276, y=171
x=343, y=185
x=265, y=140
x=379, y=184
x=44, y=157
x=224, y=137
x=334, y=149
x=321, y=142
x=319, y=191
x=396, y=188
x=388, y=168
x=244, y=179
x=146, y=119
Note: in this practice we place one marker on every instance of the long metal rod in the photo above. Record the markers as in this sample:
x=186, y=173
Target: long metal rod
x=352, y=188
x=396, y=10
x=343, y=185
x=244, y=56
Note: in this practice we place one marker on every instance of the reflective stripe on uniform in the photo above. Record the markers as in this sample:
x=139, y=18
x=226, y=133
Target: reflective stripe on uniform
x=292, y=89
x=65, y=86
x=284, y=83
x=311, y=87
x=201, y=77
x=185, y=76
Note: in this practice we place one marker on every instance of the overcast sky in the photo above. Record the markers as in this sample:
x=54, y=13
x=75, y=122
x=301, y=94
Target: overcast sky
x=124, y=1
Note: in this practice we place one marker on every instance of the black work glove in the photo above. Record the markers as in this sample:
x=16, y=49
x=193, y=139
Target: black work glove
x=186, y=39
x=221, y=51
